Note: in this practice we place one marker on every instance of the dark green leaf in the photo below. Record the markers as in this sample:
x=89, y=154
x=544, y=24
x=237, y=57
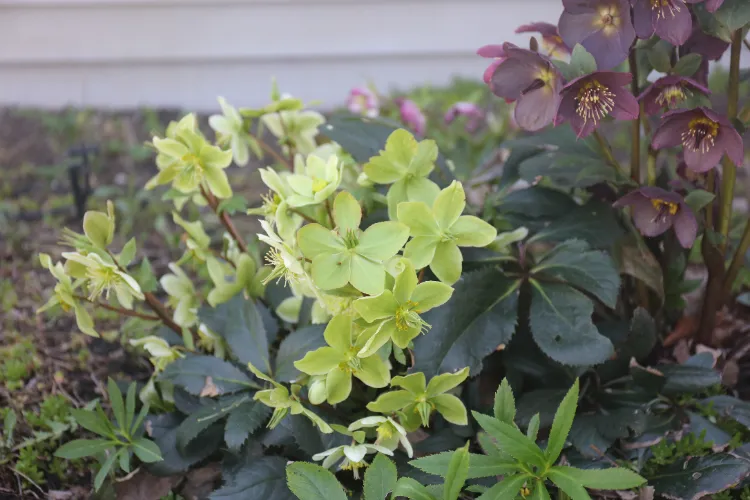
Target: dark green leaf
x=479, y=465
x=587, y=437
x=207, y=376
x=537, y=203
x=635, y=259
x=698, y=198
x=80, y=448
x=582, y=61
x=507, y=489
x=93, y=421
x=568, y=171
x=118, y=405
x=560, y=320
x=236, y=203
x=313, y=482
x=261, y=478
x=734, y=14
x=294, y=347
x=309, y=438
x=686, y=378
x=698, y=477
x=595, y=222
x=240, y=323
x=243, y=421
x=511, y=440
x=175, y=460
x=617, y=478
x=730, y=407
x=588, y=270
x=130, y=407
x=380, y=478
x=532, y=431
x=659, y=57
x=542, y=402
x=458, y=470
x=540, y=491
x=568, y=484
x=479, y=317
x=561, y=424
x=145, y=276
x=409, y=488
x=505, y=404
x=713, y=433
x=207, y=415
x=105, y=468
x=146, y=450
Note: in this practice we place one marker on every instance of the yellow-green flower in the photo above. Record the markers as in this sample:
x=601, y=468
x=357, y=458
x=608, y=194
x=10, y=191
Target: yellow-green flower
x=160, y=352
x=182, y=296
x=232, y=130
x=297, y=129
x=64, y=296
x=319, y=180
x=101, y=277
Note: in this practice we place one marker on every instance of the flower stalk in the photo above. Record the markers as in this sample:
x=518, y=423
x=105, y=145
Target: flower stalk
x=224, y=218
x=119, y=310
x=635, y=155
x=607, y=151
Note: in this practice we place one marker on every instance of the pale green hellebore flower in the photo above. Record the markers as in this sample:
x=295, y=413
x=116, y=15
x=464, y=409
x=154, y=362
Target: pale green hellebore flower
x=353, y=455
x=338, y=361
x=284, y=402
x=347, y=254
x=297, y=129
x=247, y=277
x=437, y=232
x=99, y=227
x=396, y=313
x=275, y=206
x=210, y=341
x=390, y=432
x=188, y=161
x=103, y=277
x=160, y=352
x=286, y=261
x=320, y=180
x=182, y=296
x=64, y=296
x=416, y=401
x=197, y=241
x=405, y=163
x=231, y=128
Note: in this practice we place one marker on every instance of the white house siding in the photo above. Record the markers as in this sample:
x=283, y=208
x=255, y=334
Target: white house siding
x=183, y=53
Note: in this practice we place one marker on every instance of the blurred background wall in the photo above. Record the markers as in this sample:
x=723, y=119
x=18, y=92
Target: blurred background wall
x=183, y=53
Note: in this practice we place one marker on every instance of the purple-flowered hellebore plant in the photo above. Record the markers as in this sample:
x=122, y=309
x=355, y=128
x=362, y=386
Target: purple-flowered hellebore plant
x=412, y=116
x=656, y=210
x=533, y=82
x=705, y=135
x=603, y=27
x=668, y=93
x=363, y=101
x=589, y=99
x=550, y=37
x=471, y=111
x=670, y=19
x=495, y=52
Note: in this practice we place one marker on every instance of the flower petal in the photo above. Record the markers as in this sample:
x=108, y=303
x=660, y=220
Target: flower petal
x=338, y=385
x=431, y=294
x=373, y=372
x=332, y=270
x=471, y=231
x=447, y=262
x=320, y=361
x=383, y=240
x=451, y=408
x=377, y=307
x=367, y=276
x=338, y=332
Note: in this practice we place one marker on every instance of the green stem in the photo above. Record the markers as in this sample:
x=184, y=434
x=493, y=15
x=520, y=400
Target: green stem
x=607, y=152
x=737, y=261
x=729, y=174
x=635, y=155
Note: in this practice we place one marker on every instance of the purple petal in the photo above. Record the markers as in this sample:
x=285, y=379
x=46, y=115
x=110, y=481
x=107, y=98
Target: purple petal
x=643, y=19
x=487, y=76
x=675, y=29
x=491, y=51
x=609, y=48
x=669, y=133
x=626, y=106
x=613, y=79
x=629, y=199
x=698, y=161
x=714, y=5
x=579, y=6
x=656, y=193
x=546, y=29
x=730, y=141
x=575, y=28
x=537, y=109
x=648, y=99
x=512, y=77
x=566, y=110
x=647, y=220
x=685, y=226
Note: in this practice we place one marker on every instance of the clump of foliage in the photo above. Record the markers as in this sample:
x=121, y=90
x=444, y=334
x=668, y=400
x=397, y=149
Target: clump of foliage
x=394, y=284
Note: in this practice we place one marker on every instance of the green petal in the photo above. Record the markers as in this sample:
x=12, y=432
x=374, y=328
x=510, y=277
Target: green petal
x=419, y=218
x=218, y=182
x=447, y=262
x=383, y=240
x=373, y=372
x=314, y=239
x=170, y=147
x=338, y=385
x=367, y=276
x=470, y=231
x=391, y=401
x=241, y=151
x=421, y=250
x=346, y=212
x=382, y=170
x=185, y=182
x=289, y=309
x=424, y=158
x=338, y=333
x=451, y=408
x=414, y=382
x=402, y=337
x=215, y=158
x=422, y=189
x=84, y=321
x=376, y=336
x=406, y=283
x=377, y=307
x=331, y=271
x=396, y=195
x=431, y=294
x=301, y=184
x=320, y=361
x=449, y=205
x=446, y=381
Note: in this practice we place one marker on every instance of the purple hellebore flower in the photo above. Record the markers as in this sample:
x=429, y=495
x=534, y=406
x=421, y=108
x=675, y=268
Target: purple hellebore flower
x=412, y=116
x=668, y=92
x=713, y=5
x=363, y=101
x=670, y=19
x=531, y=80
x=705, y=135
x=656, y=210
x=603, y=27
x=711, y=48
x=471, y=111
x=590, y=98
x=550, y=37
x=495, y=52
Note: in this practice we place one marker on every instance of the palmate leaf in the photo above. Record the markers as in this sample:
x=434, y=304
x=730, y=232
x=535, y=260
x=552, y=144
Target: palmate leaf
x=207, y=415
x=243, y=421
x=175, y=459
x=560, y=320
x=700, y=477
x=479, y=317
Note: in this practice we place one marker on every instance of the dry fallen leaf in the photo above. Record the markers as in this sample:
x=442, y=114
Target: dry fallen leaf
x=209, y=389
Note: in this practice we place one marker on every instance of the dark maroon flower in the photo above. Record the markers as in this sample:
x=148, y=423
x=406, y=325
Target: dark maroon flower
x=589, y=99
x=471, y=111
x=603, y=27
x=668, y=92
x=711, y=48
x=531, y=80
x=656, y=210
x=495, y=52
x=670, y=19
x=705, y=136
x=550, y=36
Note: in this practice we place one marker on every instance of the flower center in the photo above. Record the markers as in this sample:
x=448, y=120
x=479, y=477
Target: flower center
x=318, y=185
x=350, y=239
x=275, y=259
x=701, y=134
x=102, y=279
x=671, y=96
x=385, y=431
x=665, y=209
x=608, y=19
x=407, y=318
x=595, y=101
x=662, y=7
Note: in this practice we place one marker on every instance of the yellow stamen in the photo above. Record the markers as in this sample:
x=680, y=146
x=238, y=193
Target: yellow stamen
x=671, y=96
x=664, y=6
x=595, y=101
x=701, y=134
x=665, y=206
